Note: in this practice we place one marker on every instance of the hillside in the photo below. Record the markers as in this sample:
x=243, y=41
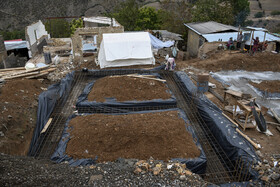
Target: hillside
x=16, y=14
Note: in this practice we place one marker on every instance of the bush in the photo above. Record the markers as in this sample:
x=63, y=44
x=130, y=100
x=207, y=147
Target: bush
x=275, y=12
x=11, y=35
x=249, y=23
x=259, y=15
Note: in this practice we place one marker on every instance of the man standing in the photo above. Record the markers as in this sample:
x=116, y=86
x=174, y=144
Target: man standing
x=239, y=40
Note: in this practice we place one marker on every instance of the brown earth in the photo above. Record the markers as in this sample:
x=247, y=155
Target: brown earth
x=269, y=86
x=125, y=88
x=227, y=60
x=160, y=135
x=18, y=104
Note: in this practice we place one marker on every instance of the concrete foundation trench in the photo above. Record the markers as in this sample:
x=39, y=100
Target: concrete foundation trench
x=220, y=168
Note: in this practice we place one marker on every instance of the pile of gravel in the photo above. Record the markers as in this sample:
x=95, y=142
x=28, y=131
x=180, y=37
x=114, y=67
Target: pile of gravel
x=18, y=170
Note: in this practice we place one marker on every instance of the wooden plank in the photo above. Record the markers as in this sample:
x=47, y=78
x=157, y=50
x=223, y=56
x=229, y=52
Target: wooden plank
x=39, y=75
x=156, y=79
x=28, y=71
x=275, y=115
x=234, y=93
x=241, y=133
x=12, y=69
x=22, y=75
x=47, y=125
x=249, y=139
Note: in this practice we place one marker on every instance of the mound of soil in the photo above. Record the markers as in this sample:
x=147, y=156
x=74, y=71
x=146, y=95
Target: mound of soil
x=269, y=86
x=236, y=61
x=124, y=88
x=160, y=135
x=18, y=105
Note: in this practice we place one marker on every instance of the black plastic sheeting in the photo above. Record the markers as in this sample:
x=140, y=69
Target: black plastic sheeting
x=234, y=145
x=46, y=103
x=196, y=165
x=112, y=103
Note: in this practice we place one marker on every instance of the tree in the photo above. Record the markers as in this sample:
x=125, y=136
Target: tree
x=148, y=19
x=127, y=14
x=134, y=18
x=213, y=10
x=58, y=28
x=174, y=14
x=76, y=23
x=241, y=9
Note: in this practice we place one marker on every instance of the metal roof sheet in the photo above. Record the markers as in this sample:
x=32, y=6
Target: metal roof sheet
x=225, y=36
x=170, y=35
x=210, y=27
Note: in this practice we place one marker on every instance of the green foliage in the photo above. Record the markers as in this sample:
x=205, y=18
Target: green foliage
x=249, y=23
x=58, y=28
x=134, y=18
x=148, y=19
x=275, y=12
x=76, y=23
x=11, y=35
x=259, y=15
x=213, y=10
x=127, y=14
x=174, y=15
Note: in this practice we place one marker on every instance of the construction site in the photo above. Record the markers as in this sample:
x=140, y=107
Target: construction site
x=105, y=108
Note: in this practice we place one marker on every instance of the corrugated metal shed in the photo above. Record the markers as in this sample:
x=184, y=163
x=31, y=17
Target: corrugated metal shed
x=169, y=35
x=225, y=36
x=210, y=27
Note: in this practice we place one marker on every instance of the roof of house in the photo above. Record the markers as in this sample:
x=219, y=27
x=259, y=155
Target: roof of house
x=210, y=27
x=169, y=35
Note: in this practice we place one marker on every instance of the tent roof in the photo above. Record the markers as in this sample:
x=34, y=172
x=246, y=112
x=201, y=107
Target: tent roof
x=134, y=45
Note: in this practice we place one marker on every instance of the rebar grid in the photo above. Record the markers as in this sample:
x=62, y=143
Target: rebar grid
x=220, y=169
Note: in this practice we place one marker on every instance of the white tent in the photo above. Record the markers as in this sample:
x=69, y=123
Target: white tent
x=125, y=49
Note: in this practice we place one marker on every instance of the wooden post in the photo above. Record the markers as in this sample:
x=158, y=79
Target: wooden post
x=263, y=40
x=252, y=36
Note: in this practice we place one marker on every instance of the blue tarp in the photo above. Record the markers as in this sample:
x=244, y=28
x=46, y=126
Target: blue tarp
x=158, y=44
x=46, y=104
x=234, y=145
x=196, y=165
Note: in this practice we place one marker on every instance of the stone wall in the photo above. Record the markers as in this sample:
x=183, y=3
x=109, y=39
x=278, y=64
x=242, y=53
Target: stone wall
x=3, y=52
x=79, y=33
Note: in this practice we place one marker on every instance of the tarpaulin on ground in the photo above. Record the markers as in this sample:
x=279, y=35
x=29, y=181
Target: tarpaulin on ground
x=112, y=103
x=158, y=44
x=196, y=165
x=234, y=145
x=46, y=103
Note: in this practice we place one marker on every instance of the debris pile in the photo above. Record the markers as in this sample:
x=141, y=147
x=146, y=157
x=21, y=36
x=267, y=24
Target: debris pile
x=269, y=170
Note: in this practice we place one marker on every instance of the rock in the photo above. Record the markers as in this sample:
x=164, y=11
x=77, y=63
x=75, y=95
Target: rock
x=2, y=134
x=94, y=178
x=9, y=116
x=92, y=167
x=265, y=161
x=187, y=172
x=261, y=172
x=275, y=176
x=182, y=177
x=137, y=170
x=259, y=154
x=156, y=170
x=265, y=178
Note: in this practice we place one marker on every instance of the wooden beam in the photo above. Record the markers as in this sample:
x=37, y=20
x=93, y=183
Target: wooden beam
x=22, y=75
x=241, y=133
x=275, y=115
x=47, y=125
x=12, y=69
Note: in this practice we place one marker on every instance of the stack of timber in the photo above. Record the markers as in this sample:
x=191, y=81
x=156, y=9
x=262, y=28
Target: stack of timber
x=13, y=73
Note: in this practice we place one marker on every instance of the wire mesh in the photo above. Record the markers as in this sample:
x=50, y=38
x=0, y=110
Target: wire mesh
x=220, y=169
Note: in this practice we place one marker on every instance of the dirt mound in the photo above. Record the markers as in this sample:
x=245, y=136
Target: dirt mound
x=269, y=86
x=161, y=135
x=236, y=61
x=125, y=88
x=18, y=104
